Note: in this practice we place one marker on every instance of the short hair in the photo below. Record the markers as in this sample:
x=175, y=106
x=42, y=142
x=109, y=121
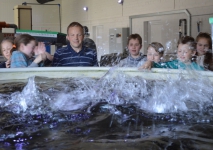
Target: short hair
x=75, y=24
x=157, y=46
x=206, y=36
x=190, y=41
x=135, y=36
x=24, y=39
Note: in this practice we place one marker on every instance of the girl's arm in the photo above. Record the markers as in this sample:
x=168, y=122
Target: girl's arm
x=40, y=57
x=40, y=49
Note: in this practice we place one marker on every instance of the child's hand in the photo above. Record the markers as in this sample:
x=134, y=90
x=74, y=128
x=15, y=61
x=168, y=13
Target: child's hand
x=40, y=57
x=40, y=48
x=146, y=65
x=7, y=63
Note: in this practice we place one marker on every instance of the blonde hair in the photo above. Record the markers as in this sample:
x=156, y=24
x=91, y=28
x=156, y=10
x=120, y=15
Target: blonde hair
x=157, y=46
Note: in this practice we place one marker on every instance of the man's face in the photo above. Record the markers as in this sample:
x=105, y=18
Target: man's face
x=75, y=36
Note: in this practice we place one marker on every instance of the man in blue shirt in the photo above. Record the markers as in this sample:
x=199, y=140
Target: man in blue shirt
x=75, y=54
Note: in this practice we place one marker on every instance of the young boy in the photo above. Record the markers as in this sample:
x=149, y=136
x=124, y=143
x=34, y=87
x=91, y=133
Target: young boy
x=134, y=45
x=186, y=50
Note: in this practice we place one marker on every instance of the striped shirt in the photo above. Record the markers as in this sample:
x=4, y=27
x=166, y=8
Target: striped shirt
x=66, y=57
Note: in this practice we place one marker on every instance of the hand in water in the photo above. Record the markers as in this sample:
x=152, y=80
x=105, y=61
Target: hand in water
x=7, y=63
x=40, y=48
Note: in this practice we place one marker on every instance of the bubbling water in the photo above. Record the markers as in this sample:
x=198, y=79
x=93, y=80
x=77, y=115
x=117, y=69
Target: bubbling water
x=115, y=88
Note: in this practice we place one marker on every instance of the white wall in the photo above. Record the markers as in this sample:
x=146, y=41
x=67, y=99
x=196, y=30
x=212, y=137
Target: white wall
x=44, y=17
x=109, y=14
x=105, y=14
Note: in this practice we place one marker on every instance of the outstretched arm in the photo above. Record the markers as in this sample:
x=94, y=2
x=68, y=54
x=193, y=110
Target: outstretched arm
x=147, y=65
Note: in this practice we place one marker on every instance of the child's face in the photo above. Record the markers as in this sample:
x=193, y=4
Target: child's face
x=202, y=46
x=6, y=47
x=134, y=47
x=185, y=53
x=28, y=49
x=152, y=55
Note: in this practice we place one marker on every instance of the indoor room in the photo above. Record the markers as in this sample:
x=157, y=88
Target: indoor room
x=106, y=74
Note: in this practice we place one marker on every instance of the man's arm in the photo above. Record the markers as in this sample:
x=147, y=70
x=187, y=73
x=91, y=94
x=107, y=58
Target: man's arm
x=95, y=60
x=56, y=60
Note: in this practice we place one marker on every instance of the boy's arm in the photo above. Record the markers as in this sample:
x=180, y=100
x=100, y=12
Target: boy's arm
x=147, y=65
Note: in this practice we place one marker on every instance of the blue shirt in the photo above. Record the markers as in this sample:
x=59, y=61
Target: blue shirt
x=175, y=64
x=20, y=60
x=66, y=56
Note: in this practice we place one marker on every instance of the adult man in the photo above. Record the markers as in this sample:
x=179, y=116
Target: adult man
x=75, y=54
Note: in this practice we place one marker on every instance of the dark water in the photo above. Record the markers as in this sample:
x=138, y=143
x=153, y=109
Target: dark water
x=107, y=113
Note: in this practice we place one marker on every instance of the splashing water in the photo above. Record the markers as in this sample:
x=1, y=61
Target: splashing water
x=116, y=108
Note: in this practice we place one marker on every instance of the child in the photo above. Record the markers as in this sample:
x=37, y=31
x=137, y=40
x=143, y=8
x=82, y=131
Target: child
x=7, y=47
x=155, y=52
x=186, y=51
x=134, y=45
x=204, y=51
x=24, y=57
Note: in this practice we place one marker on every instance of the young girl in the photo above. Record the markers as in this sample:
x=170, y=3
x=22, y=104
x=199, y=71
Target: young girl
x=7, y=47
x=24, y=57
x=134, y=45
x=186, y=51
x=204, y=51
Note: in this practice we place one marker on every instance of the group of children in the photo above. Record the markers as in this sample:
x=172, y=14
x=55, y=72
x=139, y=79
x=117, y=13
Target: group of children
x=191, y=54
x=25, y=51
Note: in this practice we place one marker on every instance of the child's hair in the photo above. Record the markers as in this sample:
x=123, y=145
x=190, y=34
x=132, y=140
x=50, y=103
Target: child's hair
x=10, y=40
x=208, y=60
x=158, y=47
x=190, y=41
x=23, y=38
x=206, y=36
x=135, y=36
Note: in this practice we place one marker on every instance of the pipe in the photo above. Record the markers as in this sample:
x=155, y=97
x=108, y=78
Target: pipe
x=5, y=25
x=185, y=27
x=198, y=26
